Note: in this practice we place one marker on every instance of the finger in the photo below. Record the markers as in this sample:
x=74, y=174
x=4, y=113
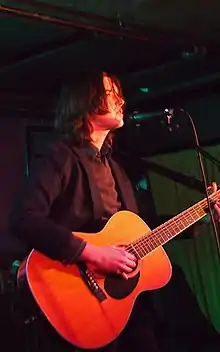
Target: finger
x=130, y=256
x=214, y=187
x=127, y=254
x=131, y=263
x=121, y=249
x=126, y=269
x=122, y=273
x=125, y=276
x=217, y=209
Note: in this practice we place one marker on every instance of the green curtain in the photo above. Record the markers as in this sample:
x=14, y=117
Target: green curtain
x=198, y=256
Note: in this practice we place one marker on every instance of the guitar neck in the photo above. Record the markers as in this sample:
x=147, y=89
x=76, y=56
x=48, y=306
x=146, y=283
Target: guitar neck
x=173, y=227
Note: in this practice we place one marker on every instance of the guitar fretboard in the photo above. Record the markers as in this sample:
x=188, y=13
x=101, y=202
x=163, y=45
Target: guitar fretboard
x=170, y=229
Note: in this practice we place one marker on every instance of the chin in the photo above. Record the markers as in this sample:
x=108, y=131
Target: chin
x=119, y=123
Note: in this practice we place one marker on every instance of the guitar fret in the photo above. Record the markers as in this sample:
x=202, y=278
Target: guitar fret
x=141, y=251
x=190, y=214
x=135, y=251
x=163, y=235
x=172, y=227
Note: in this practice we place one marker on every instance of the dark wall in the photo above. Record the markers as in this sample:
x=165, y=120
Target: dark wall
x=12, y=171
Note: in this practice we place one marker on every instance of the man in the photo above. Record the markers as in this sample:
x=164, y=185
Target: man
x=79, y=187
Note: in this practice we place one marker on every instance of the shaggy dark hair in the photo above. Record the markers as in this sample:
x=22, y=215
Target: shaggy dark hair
x=82, y=96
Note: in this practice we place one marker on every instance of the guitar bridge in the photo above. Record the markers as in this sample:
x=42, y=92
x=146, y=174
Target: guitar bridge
x=91, y=282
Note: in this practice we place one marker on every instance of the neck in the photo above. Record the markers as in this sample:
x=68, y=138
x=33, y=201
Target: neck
x=98, y=138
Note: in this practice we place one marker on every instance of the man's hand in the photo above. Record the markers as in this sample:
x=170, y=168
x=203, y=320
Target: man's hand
x=109, y=260
x=217, y=204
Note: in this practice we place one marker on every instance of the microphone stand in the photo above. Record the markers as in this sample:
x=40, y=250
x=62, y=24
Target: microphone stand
x=201, y=152
x=208, y=156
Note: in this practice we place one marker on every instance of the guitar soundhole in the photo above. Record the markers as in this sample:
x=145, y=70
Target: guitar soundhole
x=117, y=287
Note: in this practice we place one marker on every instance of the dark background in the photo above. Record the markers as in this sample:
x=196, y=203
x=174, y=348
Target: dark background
x=172, y=50
x=169, y=48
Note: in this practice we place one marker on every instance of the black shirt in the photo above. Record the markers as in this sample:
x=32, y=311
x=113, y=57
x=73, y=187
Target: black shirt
x=104, y=179
x=64, y=196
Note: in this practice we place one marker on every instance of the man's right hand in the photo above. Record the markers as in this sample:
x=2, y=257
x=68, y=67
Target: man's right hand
x=109, y=259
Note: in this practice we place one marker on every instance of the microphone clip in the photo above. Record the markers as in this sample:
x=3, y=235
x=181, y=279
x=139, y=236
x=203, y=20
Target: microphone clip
x=169, y=114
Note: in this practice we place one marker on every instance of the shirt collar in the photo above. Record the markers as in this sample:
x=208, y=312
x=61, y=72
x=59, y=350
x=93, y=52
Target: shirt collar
x=94, y=152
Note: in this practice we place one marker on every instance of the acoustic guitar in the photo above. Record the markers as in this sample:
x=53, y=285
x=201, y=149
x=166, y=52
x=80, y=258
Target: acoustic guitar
x=90, y=311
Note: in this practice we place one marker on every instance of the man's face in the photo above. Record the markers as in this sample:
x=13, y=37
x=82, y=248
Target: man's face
x=114, y=118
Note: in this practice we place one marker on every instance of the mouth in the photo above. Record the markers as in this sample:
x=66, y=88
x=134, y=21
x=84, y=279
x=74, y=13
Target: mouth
x=120, y=115
x=117, y=109
x=120, y=112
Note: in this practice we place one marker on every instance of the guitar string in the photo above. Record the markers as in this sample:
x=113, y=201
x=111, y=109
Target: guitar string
x=188, y=218
x=139, y=243
x=146, y=242
x=151, y=235
x=145, y=245
x=152, y=241
x=152, y=238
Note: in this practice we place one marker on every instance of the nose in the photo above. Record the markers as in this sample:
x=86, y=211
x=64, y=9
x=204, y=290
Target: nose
x=121, y=101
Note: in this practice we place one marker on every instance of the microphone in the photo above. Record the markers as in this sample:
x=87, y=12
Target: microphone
x=139, y=117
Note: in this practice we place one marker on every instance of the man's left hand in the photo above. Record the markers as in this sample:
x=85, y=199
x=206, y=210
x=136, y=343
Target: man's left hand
x=217, y=204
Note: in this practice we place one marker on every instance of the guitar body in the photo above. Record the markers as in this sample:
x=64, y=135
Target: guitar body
x=85, y=319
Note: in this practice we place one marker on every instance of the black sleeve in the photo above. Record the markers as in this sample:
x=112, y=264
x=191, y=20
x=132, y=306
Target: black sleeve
x=30, y=219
